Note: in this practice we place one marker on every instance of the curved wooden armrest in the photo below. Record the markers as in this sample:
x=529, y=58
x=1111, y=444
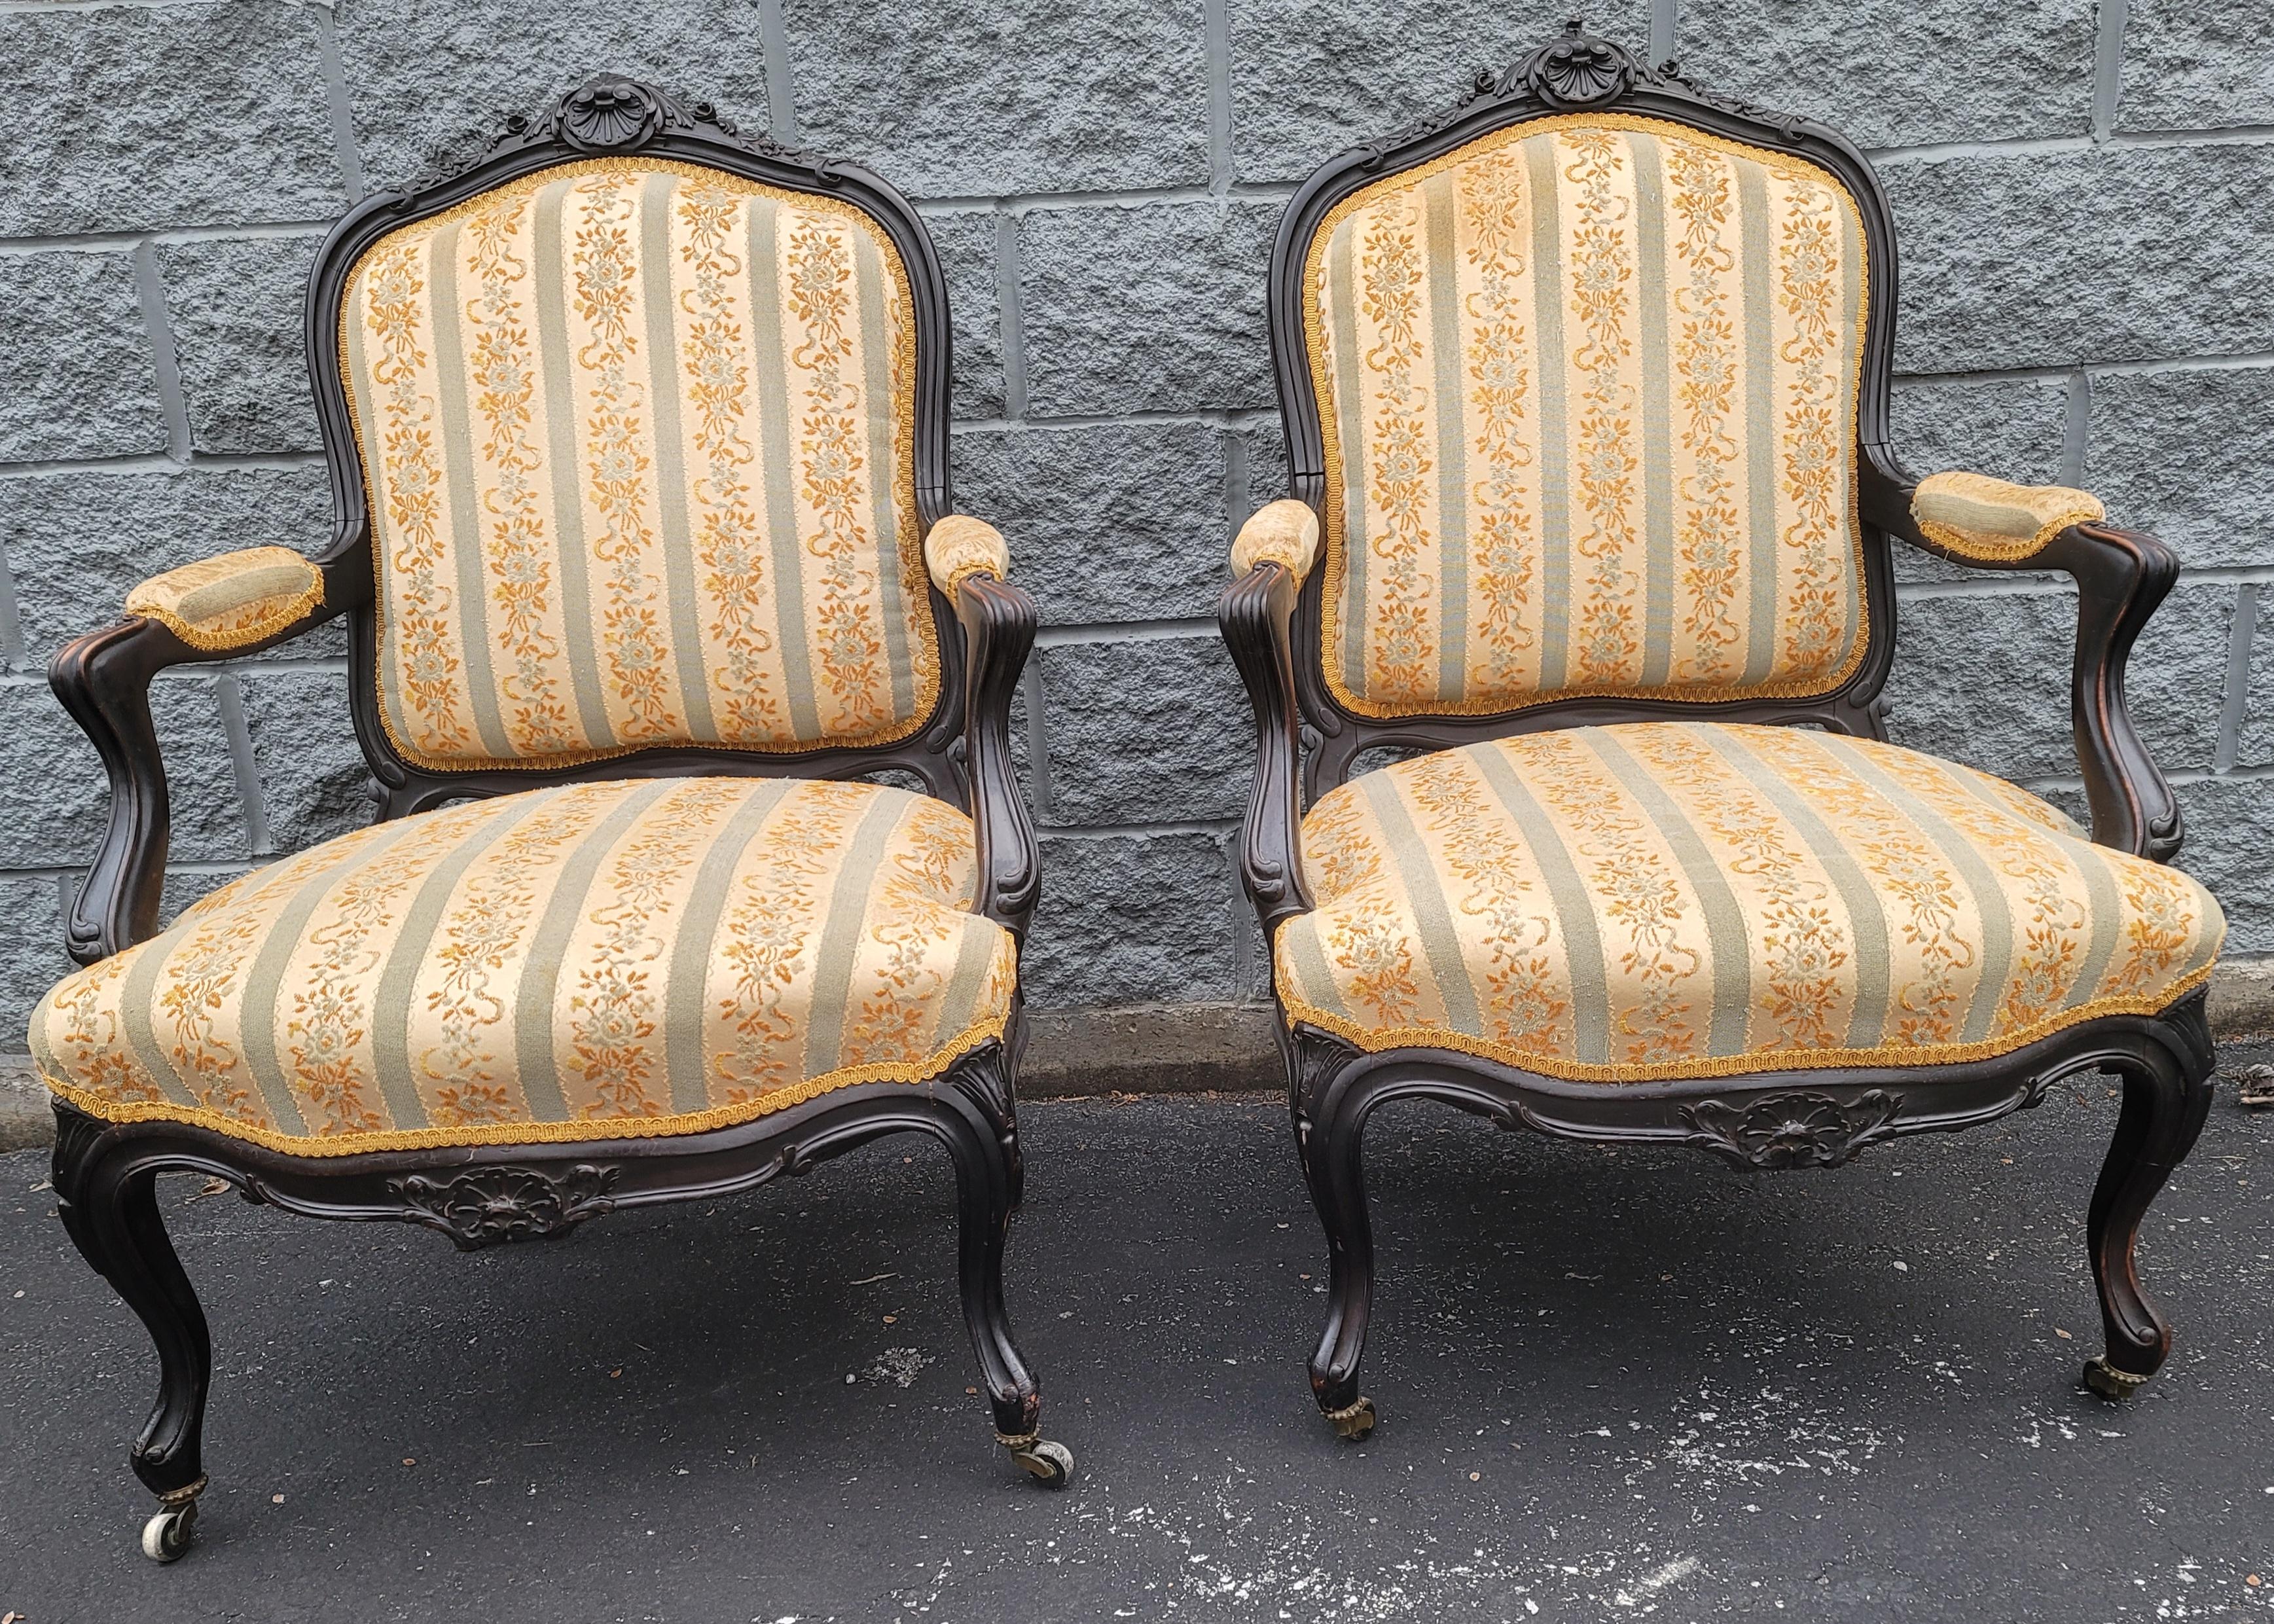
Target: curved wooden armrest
x=2121, y=576
x=103, y=679
x=998, y=623
x=1255, y=613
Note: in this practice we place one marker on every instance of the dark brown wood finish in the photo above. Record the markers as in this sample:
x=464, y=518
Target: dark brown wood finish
x=1307, y=743
x=103, y=1173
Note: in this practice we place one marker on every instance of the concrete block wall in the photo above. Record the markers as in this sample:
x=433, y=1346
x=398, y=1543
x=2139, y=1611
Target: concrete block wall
x=2085, y=195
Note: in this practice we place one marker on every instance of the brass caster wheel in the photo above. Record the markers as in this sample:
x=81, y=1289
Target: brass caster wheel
x=1353, y=1421
x=2105, y=1379
x=1048, y=1463
x=167, y=1535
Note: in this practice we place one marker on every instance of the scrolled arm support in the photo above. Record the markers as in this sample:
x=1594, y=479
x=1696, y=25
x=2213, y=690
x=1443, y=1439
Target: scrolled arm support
x=998, y=623
x=2121, y=576
x=103, y=679
x=1256, y=614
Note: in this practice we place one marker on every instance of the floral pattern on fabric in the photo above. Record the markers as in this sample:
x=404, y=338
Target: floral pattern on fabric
x=636, y=442
x=1587, y=394
x=1664, y=899
x=653, y=957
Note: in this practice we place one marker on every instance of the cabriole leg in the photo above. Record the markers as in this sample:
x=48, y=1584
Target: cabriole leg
x=2166, y=1098
x=110, y=1206
x=1330, y=1147
x=986, y=1182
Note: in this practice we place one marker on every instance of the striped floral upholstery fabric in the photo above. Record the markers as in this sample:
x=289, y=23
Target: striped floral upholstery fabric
x=1588, y=389
x=635, y=441
x=601, y=960
x=1690, y=899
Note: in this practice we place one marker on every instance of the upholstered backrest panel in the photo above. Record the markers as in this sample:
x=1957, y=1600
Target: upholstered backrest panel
x=635, y=441
x=1588, y=388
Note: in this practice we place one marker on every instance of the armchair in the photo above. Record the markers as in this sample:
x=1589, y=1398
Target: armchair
x=637, y=433
x=1586, y=387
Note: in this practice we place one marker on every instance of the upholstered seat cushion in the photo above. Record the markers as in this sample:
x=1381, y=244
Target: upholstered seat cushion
x=1690, y=900
x=589, y=962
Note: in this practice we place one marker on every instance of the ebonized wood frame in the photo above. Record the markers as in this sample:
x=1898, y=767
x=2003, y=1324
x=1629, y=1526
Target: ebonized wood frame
x=1307, y=743
x=103, y=1172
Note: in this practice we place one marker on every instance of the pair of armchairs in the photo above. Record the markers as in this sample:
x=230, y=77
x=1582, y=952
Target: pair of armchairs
x=638, y=438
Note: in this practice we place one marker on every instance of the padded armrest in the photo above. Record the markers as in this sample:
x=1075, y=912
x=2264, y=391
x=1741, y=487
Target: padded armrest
x=208, y=611
x=1988, y=520
x=2121, y=577
x=234, y=601
x=960, y=546
x=1281, y=532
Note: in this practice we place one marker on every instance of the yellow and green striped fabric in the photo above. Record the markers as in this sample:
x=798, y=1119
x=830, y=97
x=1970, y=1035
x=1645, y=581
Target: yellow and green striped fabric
x=1977, y=517
x=1669, y=899
x=1587, y=388
x=597, y=961
x=231, y=600
x=635, y=445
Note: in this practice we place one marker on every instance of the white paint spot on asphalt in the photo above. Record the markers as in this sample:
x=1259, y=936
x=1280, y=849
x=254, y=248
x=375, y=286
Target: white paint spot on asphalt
x=1680, y=1568
x=1222, y=1550
x=898, y=1366
x=2038, y=1425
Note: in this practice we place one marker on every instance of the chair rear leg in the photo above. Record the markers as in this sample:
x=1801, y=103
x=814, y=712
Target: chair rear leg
x=1333, y=1165
x=2166, y=1098
x=110, y=1210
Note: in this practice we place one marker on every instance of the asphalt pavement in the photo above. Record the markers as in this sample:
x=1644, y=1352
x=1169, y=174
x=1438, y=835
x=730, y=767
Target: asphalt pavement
x=1613, y=1384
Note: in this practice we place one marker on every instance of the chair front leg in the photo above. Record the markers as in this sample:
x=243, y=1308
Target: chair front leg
x=981, y=1137
x=110, y=1205
x=2167, y=1096
x=1329, y=1140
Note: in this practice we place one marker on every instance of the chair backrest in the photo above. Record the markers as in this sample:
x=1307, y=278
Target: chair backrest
x=635, y=435
x=1591, y=388
x=1574, y=377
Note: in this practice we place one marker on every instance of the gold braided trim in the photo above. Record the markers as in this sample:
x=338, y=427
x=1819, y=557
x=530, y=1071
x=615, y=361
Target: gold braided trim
x=1378, y=1040
x=1971, y=545
x=924, y=656
x=591, y=1131
x=270, y=613
x=1323, y=396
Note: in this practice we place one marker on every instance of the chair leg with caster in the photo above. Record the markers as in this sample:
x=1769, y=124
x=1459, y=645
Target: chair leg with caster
x=110, y=1205
x=2165, y=1101
x=987, y=1178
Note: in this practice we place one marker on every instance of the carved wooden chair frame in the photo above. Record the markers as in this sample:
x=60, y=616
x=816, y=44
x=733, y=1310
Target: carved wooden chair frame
x=1307, y=743
x=105, y=1172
